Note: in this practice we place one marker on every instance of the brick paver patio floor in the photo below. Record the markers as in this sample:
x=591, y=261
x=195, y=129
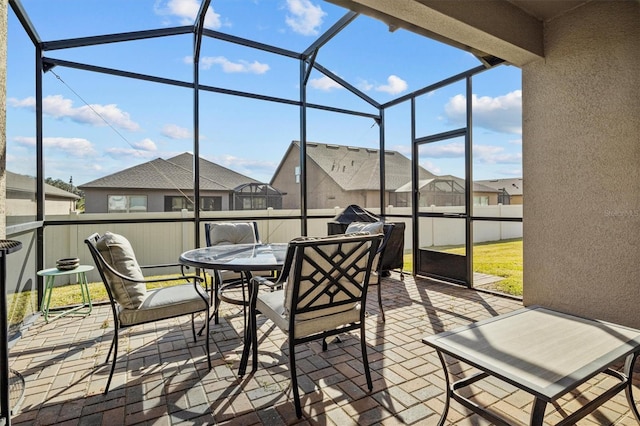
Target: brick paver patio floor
x=162, y=377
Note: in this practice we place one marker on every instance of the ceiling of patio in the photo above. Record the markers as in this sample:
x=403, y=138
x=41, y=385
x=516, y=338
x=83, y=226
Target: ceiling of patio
x=508, y=29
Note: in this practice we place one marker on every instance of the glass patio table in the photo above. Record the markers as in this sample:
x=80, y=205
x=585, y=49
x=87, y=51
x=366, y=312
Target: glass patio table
x=243, y=258
x=542, y=352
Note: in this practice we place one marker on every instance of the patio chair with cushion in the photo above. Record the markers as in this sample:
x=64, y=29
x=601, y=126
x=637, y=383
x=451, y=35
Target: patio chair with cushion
x=325, y=290
x=373, y=228
x=227, y=233
x=131, y=302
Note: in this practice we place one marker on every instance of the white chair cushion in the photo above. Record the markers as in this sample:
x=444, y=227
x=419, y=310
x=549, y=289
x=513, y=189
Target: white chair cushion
x=118, y=253
x=232, y=233
x=166, y=302
x=271, y=304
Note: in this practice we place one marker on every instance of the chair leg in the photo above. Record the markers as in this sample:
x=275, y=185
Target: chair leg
x=207, y=337
x=114, y=346
x=365, y=359
x=216, y=297
x=250, y=336
x=193, y=327
x=294, y=377
x=380, y=296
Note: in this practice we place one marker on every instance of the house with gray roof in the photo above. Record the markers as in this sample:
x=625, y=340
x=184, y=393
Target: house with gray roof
x=510, y=191
x=167, y=185
x=339, y=175
x=21, y=199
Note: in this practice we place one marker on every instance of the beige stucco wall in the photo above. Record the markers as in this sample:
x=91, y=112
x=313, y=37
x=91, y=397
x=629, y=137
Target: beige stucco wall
x=581, y=151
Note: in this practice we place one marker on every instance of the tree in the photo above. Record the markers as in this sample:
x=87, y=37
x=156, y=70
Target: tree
x=69, y=187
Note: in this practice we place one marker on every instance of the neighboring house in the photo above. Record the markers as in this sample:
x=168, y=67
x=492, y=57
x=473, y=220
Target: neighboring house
x=509, y=191
x=167, y=185
x=448, y=190
x=339, y=175
x=21, y=197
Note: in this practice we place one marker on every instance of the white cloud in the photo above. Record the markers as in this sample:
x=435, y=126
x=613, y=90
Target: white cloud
x=186, y=12
x=324, y=83
x=364, y=85
x=146, y=145
x=306, y=18
x=485, y=154
x=394, y=85
x=78, y=147
x=58, y=107
x=451, y=150
x=173, y=131
x=261, y=170
x=228, y=66
x=500, y=114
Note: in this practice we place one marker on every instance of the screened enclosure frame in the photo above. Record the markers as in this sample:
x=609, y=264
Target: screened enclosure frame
x=307, y=63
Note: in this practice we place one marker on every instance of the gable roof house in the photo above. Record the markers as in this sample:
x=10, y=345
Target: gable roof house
x=164, y=186
x=21, y=198
x=339, y=175
x=448, y=190
x=509, y=190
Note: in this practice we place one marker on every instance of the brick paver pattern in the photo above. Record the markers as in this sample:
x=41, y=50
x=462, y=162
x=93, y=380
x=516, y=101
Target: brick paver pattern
x=162, y=377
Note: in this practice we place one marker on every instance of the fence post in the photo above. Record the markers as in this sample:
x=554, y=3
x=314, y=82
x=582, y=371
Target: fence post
x=185, y=232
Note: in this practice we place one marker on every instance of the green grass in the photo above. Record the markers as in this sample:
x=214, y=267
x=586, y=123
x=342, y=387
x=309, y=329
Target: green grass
x=502, y=259
x=23, y=303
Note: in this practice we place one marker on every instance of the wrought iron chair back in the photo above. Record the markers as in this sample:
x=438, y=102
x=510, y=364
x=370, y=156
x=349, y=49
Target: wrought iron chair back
x=325, y=290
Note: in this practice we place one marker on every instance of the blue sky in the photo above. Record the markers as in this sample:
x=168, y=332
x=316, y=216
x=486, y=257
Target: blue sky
x=97, y=124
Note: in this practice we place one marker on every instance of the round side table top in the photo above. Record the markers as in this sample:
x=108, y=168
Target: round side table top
x=56, y=271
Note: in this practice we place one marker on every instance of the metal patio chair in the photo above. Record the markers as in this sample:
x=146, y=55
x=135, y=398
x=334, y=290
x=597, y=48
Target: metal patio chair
x=325, y=290
x=131, y=303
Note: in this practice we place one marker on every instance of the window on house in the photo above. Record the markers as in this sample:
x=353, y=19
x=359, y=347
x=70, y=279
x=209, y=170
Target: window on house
x=480, y=200
x=178, y=203
x=127, y=203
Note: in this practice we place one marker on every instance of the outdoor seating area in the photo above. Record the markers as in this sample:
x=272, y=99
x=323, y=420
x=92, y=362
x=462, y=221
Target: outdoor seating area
x=164, y=377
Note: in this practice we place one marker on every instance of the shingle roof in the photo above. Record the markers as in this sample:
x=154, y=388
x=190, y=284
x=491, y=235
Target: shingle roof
x=355, y=168
x=174, y=173
x=477, y=187
x=27, y=184
x=513, y=186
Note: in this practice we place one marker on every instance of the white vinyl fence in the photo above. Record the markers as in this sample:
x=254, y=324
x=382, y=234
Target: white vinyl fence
x=158, y=243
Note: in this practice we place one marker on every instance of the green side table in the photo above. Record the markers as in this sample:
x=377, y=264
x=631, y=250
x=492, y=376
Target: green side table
x=50, y=276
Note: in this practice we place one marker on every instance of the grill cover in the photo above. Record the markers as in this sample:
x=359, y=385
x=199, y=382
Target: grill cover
x=393, y=251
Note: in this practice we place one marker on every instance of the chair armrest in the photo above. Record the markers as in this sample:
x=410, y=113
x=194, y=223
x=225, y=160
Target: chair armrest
x=180, y=278
x=164, y=265
x=126, y=278
x=262, y=280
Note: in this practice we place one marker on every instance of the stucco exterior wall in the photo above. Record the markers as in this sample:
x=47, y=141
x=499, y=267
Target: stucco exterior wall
x=581, y=159
x=322, y=191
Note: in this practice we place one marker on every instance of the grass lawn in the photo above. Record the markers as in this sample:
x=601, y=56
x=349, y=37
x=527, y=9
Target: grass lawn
x=502, y=259
x=68, y=295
